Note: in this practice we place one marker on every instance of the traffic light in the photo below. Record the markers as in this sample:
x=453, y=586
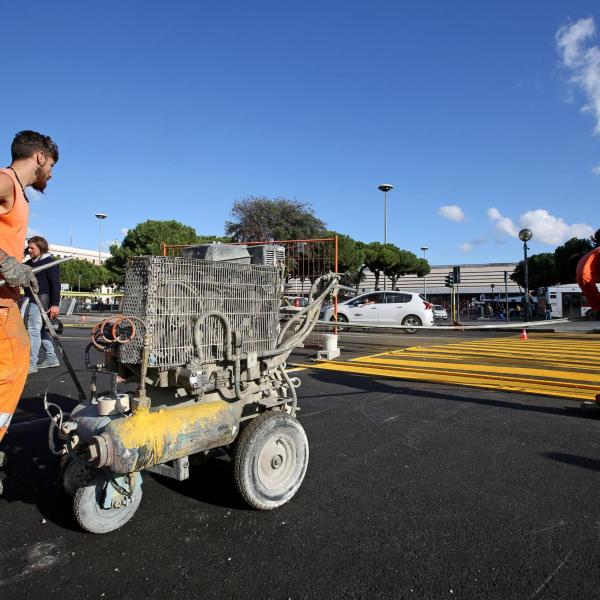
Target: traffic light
x=456, y=273
x=449, y=280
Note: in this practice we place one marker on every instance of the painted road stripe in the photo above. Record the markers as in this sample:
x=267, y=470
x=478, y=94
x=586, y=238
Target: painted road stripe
x=555, y=365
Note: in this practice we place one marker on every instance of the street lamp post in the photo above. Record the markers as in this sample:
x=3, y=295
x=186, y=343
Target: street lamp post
x=492, y=285
x=525, y=235
x=100, y=217
x=385, y=188
x=424, y=249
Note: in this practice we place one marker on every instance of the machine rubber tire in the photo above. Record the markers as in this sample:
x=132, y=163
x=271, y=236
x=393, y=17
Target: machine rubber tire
x=340, y=319
x=270, y=459
x=73, y=474
x=411, y=320
x=95, y=519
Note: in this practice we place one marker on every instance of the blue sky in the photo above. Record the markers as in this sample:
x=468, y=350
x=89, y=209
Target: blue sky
x=483, y=115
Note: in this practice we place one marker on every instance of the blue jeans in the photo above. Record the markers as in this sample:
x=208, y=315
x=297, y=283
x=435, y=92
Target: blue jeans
x=38, y=335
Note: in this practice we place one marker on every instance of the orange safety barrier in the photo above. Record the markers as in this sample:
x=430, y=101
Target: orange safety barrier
x=588, y=275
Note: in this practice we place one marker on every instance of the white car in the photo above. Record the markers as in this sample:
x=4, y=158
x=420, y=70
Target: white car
x=439, y=312
x=384, y=308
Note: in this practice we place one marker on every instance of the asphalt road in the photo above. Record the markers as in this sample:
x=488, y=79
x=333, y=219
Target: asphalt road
x=413, y=491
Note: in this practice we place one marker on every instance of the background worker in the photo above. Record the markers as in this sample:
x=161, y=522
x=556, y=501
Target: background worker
x=33, y=156
x=49, y=294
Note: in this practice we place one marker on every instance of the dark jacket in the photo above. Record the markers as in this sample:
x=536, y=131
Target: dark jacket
x=48, y=280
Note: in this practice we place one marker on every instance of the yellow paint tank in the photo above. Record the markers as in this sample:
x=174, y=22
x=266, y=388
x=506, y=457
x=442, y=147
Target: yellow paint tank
x=149, y=438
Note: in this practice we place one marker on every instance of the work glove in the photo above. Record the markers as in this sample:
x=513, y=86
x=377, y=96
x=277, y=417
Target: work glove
x=17, y=274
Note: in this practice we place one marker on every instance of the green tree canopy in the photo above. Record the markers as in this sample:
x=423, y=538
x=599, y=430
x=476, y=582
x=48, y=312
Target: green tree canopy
x=85, y=276
x=146, y=239
x=541, y=271
x=405, y=262
x=379, y=258
x=351, y=256
x=258, y=219
x=423, y=267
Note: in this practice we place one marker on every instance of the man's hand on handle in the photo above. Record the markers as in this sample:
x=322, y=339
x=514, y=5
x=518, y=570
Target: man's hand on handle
x=17, y=274
x=53, y=312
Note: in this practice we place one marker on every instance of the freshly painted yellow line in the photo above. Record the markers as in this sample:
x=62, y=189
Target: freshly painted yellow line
x=480, y=368
x=558, y=365
x=523, y=386
x=557, y=355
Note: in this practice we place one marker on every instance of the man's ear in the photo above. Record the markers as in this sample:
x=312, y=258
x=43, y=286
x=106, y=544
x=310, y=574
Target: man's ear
x=40, y=158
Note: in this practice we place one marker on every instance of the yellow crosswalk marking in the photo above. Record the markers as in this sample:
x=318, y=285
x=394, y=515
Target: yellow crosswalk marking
x=558, y=365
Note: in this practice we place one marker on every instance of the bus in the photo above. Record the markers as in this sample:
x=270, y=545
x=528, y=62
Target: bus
x=567, y=301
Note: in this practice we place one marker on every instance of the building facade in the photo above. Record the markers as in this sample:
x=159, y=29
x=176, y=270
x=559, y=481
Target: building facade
x=81, y=253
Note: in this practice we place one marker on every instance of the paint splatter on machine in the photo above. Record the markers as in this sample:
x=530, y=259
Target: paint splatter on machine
x=201, y=338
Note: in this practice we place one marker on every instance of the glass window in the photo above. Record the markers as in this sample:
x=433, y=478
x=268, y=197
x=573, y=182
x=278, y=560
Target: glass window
x=397, y=298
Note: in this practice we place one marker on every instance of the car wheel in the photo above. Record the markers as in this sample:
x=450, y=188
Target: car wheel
x=412, y=320
x=340, y=318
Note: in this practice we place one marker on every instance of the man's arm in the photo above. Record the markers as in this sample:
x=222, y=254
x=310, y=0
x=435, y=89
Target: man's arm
x=54, y=284
x=7, y=194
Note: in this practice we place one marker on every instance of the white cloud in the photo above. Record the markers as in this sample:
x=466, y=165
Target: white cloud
x=466, y=247
x=596, y=170
x=582, y=60
x=452, y=212
x=502, y=224
x=31, y=232
x=124, y=231
x=549, y=229
x=546, y=228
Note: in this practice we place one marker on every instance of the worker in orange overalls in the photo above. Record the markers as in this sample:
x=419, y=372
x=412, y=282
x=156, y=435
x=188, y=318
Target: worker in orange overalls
x=33, y=156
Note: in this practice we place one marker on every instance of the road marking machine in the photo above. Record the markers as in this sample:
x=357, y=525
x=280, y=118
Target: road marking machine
x=201, y=338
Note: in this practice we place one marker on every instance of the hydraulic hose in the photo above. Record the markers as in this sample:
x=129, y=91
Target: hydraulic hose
x=225, y=320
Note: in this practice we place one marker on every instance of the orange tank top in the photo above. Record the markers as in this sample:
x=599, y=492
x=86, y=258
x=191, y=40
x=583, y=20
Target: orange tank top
x=13, y=230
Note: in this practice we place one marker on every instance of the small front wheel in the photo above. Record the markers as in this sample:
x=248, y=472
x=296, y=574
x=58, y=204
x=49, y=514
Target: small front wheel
x=270, y=460
x=100, y=508
x=74, y=472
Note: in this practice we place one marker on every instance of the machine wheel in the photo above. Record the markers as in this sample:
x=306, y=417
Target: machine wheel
x=340, y=318
x=412, y=320
x=73, y=474
x=270, y=459
x=89, y=511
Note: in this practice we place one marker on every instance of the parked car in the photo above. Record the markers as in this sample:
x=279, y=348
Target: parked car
x=290, y=305
x=381, y=308
x=439, y=312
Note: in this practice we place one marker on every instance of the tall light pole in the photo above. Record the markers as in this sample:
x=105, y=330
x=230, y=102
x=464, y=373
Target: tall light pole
x=100, y=217
x=424, y=249
x=525, y=235
x=385, y=188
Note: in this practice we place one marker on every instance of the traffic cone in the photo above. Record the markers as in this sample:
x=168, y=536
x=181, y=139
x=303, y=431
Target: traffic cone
x=523, y=335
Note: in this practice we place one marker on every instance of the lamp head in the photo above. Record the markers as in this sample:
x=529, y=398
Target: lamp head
x=101, y=216
x=385, y=187
x=424, y=248
x=525, y=235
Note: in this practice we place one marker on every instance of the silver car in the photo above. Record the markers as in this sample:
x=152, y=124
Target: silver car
x=384, y=308
x=439, y=312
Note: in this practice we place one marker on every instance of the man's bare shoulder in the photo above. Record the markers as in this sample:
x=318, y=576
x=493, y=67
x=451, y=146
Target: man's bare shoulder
x=7, y=193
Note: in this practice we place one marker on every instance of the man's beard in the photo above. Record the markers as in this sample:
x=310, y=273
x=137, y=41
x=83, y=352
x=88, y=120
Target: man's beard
x=40, y=182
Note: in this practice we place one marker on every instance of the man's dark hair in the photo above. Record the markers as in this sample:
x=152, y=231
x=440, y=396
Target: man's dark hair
x=27, y=143
x=40, y=242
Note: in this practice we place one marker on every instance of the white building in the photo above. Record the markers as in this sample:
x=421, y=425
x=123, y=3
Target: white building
x=80, y=253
